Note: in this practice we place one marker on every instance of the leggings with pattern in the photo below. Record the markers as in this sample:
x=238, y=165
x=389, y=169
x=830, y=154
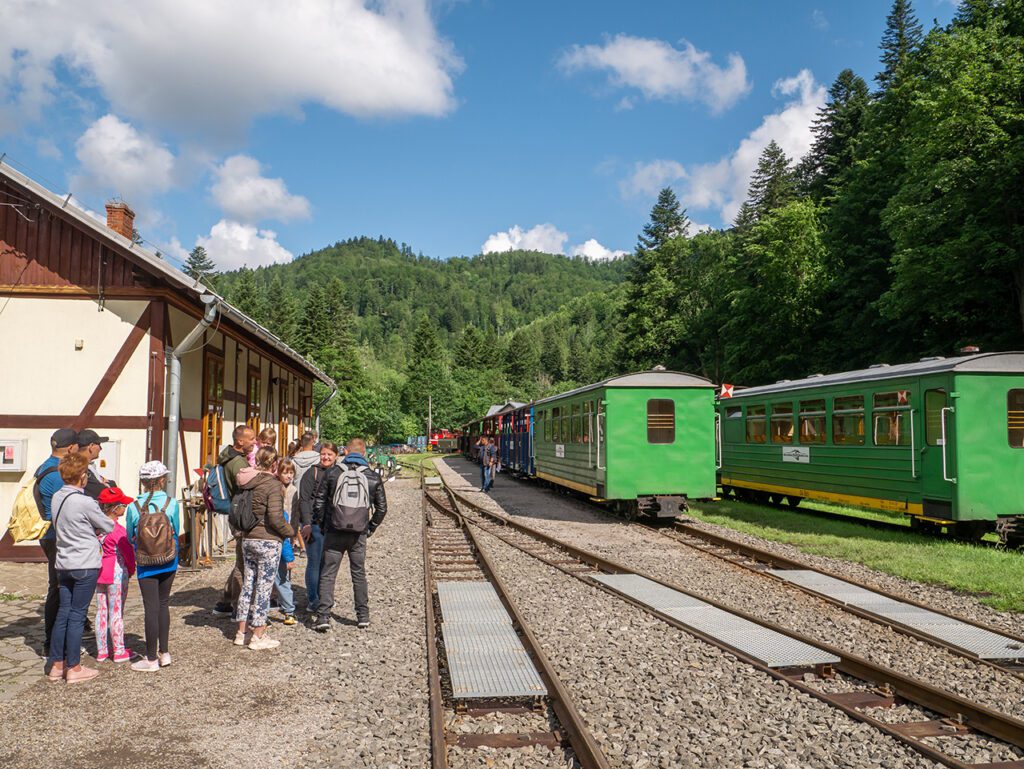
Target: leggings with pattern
x=110, y=620
x=260, y=558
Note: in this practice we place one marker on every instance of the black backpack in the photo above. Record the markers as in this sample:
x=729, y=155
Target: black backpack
x=241, y=517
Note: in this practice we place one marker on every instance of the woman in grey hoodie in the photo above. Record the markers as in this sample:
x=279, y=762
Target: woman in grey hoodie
x=76, y=518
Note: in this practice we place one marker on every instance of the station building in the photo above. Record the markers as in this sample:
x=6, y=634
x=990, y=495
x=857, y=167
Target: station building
x=90, y=326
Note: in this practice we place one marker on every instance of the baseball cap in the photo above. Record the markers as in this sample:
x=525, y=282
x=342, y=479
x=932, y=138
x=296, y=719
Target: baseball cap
x=63, y=438
x=114, y=496
x=152, y=470
x=87, y=437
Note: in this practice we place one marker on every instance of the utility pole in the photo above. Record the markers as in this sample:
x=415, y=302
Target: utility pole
x=430, y=419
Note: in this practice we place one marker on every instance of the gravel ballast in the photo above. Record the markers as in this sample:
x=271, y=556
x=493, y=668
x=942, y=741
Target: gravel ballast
x=353, y=698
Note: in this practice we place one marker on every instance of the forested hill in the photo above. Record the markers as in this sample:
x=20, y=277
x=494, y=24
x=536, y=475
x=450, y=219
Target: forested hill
x=390, y=326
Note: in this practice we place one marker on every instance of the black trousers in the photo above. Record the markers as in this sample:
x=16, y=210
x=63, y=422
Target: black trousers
x=49, y=547
x=156, y=592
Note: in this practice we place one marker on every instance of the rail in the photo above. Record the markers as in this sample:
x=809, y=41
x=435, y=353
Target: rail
x=959, y=714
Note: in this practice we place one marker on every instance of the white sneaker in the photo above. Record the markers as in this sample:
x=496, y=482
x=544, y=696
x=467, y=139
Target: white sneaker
x=260, y=643
x=165, y=659
x=239, y=639
x=146, y=666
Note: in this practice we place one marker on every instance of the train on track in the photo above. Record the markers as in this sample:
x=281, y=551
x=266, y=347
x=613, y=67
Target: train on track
x=613, y=440
x=940, y=440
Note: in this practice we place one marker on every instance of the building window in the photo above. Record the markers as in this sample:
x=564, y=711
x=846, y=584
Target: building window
x=812, y=421
x=782, y=423
x=756, y=431
x=848, y=420
x=661, y=420
x=1015, y=417
x=255, y=392
x=213, y=407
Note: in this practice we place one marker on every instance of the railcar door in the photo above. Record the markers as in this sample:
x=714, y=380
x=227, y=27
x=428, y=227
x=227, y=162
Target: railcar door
x=937, y=454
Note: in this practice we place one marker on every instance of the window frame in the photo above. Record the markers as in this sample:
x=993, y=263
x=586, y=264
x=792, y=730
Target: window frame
x=843, y=413
x=881, y=406
x=752, y=418
x=660, y=420
x=1010, y=414
x=808, y=411
x=781, y=418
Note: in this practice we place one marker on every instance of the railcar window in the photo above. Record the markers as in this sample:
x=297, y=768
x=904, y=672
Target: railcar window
x=556, y=425
x=934, y=401
x=848, y=420
x=782, y=423
x=812, y=421
x=588, y=418
x=733, y=412
x=756, y=431
x=576, y=432
x=891, y=418
x=661, y=420
x=1015, y=417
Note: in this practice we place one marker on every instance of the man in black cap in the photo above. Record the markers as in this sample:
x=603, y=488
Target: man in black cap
x=91, y=443
x=47, y=483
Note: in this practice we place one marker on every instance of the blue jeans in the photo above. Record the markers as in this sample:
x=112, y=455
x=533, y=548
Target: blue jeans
x=77, y=587
x=314, y=560
x=285, y=594
x=488, y=477
x=483, y=475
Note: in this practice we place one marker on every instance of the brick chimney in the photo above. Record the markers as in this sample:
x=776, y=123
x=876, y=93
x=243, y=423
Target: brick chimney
x=120, y=218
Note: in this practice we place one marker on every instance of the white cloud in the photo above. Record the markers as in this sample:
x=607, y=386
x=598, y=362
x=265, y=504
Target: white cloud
x=178, y=251
x=594, y=251
x=819, y=20
x=723, y=184
x=116, y=159
x=197, y=65
x=232, y=245
x=246, y=195
x=660, y=71
x=648, y=179
x=542, y=237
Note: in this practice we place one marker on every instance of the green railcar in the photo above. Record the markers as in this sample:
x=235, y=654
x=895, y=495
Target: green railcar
x=644, y=441
x=940, y=440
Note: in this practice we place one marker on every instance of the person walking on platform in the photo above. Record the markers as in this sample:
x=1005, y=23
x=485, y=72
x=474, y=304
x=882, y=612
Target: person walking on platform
x=153, y=527
x=91, y=443
x=311, y=511
x=234, y=458
x=490, y=461
x=77, y=518
x=47, y=483
x=348, y=497
x=261, y=548
x=481, y=454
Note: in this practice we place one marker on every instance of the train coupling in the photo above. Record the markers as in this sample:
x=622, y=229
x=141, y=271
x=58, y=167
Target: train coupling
x=662, y=506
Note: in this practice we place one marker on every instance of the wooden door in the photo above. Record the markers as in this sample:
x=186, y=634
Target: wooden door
x=213, y=407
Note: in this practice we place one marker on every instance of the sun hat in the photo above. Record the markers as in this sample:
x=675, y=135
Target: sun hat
x=114, y=496
x=153, y=470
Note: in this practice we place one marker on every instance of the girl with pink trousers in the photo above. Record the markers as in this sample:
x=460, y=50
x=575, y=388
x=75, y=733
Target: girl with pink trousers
x=112, y=586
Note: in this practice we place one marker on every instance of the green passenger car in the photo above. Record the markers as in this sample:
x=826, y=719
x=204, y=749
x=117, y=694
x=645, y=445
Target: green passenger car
x=643, y=441
x=941, y=441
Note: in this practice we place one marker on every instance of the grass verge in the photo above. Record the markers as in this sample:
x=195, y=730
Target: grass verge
x=411, y=464
x=995, y=576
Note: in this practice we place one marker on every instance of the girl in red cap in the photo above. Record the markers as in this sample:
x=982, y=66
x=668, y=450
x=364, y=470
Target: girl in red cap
x=112, y=586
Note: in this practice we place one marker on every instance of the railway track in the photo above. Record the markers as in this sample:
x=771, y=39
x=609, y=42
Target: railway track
x=924, y=717
x=774, y=566
x=490, y=685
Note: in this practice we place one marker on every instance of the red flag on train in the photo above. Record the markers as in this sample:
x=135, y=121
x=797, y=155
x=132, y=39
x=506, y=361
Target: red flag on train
x=726, y=391
x=903, y=397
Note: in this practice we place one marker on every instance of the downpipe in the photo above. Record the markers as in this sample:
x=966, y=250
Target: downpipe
x=320, y=407
x=174, y=387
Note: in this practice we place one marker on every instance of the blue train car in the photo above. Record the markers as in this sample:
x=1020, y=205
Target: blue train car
x=521, y=461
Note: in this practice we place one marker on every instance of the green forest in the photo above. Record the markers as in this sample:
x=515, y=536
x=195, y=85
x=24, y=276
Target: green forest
x=899, y=235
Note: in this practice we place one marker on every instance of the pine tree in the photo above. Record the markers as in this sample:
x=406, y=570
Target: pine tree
x=902, y=36
x=471, y=351
x=554, y=352
x=522, y=359
x=772, y=185
x=668, y=220
x=836, y=129
x=428, y=375
x=249, y=295
x=199, y=265
x=315, y=321
x=282, y=310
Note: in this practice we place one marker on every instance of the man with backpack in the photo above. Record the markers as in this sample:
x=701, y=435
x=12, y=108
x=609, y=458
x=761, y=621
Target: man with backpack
x=347, y=499
x=47, y=482
x=311, y=513
x=232, y=459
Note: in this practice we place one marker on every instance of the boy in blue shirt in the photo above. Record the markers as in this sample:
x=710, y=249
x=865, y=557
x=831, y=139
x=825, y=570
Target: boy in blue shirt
x=62, y=443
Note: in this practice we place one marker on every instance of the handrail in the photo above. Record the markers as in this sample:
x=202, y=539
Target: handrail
x=600, y=435
x=945, y=467
x=718, y=441
x=913, y=448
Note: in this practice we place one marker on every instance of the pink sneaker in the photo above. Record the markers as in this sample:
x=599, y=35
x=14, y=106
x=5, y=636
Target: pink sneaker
x=126, y=657
x=102, y=657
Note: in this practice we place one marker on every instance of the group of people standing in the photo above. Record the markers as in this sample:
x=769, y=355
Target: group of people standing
x=326, y=502
x=490, y=461
x=321, y=501
x=91, y=554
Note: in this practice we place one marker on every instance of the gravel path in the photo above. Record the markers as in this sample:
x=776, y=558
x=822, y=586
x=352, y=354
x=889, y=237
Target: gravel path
x=768, y=599
x=656, y=697
x=349, y=699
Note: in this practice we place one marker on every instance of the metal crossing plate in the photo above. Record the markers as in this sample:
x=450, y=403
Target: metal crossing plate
x=486, y=658
x=767, y=646
x=983, y=643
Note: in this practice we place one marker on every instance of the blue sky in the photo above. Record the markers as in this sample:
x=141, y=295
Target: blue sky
x=264, y=130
